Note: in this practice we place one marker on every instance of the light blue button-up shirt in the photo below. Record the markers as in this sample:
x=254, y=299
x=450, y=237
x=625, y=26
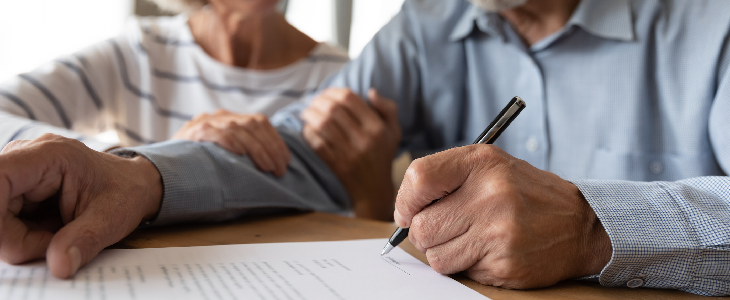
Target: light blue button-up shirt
x=629, y=98
x=630, y=101
x=624, y=91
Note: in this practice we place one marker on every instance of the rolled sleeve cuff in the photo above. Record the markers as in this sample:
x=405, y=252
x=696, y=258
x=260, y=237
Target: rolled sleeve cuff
x=648, y=237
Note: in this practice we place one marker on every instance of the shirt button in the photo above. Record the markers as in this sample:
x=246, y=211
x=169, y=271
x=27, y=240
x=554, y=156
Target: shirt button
x=532, y=145
x=656, y=167
x=634, y=283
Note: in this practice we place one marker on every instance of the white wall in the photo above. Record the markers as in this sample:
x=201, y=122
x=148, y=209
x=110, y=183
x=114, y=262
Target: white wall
x=313, y=17
x=33, y=32
x=368, y=17
x=316, y=19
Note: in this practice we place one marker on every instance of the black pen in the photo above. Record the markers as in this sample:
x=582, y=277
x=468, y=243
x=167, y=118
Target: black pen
x=488, y=136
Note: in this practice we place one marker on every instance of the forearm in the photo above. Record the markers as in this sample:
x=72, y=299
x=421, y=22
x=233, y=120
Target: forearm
x=204, y=183
x=667, y=234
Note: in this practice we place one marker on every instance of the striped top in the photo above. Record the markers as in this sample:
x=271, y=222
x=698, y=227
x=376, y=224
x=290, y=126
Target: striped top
x=145, y=84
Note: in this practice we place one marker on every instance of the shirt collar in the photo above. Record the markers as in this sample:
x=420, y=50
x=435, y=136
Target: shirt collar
x=610, y=19
x=485, y=22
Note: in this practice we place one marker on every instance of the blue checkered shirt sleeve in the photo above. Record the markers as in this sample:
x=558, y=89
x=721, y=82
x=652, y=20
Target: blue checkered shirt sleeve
x=665, y=234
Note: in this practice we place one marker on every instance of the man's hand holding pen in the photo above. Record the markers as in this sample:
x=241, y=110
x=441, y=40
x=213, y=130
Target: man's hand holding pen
x=506, y=223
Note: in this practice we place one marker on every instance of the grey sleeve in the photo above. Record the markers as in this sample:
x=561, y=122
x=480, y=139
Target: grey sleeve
x=205, y=183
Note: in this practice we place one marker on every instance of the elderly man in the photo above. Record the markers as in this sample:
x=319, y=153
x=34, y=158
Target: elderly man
x=626, y=99
x=629, y=100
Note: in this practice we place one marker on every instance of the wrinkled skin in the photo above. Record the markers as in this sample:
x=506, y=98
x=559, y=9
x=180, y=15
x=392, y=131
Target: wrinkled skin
x=503, y=222
x=358, y=142
x=250, y=135
x=65, y=202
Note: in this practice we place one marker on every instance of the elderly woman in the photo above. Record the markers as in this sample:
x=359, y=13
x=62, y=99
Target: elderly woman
x=236, y=55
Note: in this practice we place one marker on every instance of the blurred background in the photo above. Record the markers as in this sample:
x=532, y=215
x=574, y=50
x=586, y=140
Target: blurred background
x=33, y=32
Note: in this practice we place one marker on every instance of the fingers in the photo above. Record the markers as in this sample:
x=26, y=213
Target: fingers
x=205, y=132
x=333, y=129
x=240, y=141
x=385, y=107
x=269, y=143
x=320, y=146
x=343, y=119
x=19, y=244
x=457, y=255
x=457, y=232
x=430, y=178
x=29, y=172
x=257, y=150
x=442, y=221
x=81, y=240
x=352, y=104
x=427, y=179
x=250, y=135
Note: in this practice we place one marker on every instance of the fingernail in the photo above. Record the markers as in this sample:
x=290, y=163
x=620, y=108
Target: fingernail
x=399, y=219
x=75, y=256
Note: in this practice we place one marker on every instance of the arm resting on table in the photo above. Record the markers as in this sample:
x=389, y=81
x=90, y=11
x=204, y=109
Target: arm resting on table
x=204, y=183
x=668, y=234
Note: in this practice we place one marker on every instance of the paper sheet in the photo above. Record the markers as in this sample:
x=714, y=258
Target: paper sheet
x=282, y=271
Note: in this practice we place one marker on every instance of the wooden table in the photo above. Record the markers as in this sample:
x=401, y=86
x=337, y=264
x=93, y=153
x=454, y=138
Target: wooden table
x=311, y=227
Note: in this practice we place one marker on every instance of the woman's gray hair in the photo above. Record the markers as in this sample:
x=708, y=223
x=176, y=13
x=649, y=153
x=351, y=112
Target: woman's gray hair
x=178, y=6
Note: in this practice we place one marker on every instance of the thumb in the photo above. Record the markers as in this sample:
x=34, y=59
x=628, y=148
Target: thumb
x=385, y=107
x=432, y=177
x=79, y=242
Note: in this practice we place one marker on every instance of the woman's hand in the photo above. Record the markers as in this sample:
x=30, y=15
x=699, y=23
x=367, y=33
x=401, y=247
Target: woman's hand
x=250, y=135
x=359, y=142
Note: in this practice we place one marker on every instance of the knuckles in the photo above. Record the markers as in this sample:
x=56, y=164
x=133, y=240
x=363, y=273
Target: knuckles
x=376, y=131
x=230, y=125
x=220, y=112
x=417, y=174
x=423, y=230
x=487, y=153
x=333, y=108
x=254, y=122
x=348, y=98
x=54, y=143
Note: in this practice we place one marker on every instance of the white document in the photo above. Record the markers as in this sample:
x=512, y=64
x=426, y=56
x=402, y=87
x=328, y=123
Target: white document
x=282, y=271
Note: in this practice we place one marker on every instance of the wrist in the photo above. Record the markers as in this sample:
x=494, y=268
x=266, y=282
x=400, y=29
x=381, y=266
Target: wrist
x=153, y=187
x=597, y=249
x=150, y=182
